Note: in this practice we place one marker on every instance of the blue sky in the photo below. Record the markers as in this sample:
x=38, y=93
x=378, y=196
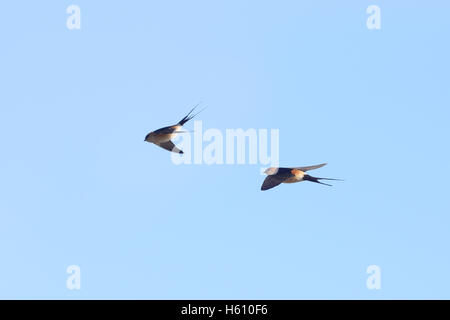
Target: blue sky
x=80, y=187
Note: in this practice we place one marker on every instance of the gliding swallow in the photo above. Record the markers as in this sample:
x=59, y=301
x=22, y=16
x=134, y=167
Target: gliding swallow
x=291, y=175
x=162, y=137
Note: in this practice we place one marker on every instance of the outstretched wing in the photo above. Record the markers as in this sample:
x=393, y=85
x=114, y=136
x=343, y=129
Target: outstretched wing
x=317, y=166
x=271, y=182
x=168, y=145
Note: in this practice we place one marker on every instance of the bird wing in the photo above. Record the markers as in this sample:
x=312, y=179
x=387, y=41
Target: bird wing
x=271, y=182
x=168, y=145
x=304, y=169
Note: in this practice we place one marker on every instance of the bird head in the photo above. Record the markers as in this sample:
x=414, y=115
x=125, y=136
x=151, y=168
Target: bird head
x=149, y=137
x=270, y=171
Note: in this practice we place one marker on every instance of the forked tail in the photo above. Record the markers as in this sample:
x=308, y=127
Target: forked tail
x=189, y=116
x=307, y=177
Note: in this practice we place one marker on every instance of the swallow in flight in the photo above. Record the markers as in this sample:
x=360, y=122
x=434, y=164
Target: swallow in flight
x=162, y=137
x=275, y=176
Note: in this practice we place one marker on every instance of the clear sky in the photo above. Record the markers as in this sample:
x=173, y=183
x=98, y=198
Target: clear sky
x=79, y=186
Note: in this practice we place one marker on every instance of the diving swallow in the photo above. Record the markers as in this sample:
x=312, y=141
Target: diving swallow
x=162, y=137
x=275, y=176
